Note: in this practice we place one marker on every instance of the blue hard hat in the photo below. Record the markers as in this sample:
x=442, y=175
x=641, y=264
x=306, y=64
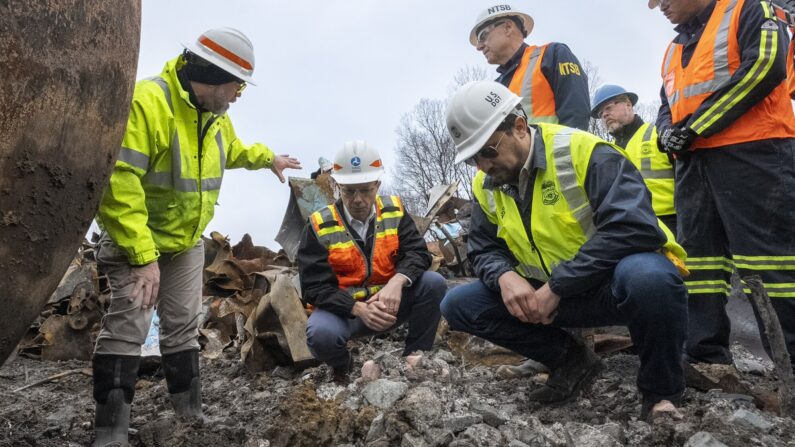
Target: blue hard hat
x=606, y=93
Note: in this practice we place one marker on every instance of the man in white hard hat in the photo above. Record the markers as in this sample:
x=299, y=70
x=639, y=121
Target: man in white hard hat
x=363, y=266
x=563, y=235
x=549, y=78
x=161, y=197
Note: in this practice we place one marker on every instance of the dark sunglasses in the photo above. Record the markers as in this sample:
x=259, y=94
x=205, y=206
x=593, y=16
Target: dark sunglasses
x=485, y=152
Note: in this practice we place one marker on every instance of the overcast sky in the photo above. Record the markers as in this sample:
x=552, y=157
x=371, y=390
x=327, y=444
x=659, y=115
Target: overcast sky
x=334, y=70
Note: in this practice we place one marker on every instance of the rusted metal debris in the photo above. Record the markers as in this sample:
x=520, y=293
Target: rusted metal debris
x=277, y=328
x=245, y=286
x=306, y=197
x=67, y=326
x=778, y=347
x=253, y=304
x=445, y=225
x=59, y=57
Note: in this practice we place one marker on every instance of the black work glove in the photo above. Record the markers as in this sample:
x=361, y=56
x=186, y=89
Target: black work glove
x=676, y=140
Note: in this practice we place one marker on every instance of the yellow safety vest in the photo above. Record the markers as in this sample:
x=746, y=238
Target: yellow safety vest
x=655, y=168
x=561, y=215
x=161, y=195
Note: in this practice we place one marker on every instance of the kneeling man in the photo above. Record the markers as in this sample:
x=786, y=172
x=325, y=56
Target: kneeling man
x=363, y=266
x=563, y=235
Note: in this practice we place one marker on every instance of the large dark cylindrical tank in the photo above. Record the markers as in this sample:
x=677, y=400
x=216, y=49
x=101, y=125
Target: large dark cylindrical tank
x=67, y=71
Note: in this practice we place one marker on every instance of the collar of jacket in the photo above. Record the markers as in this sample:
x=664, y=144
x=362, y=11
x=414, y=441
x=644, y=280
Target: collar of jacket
x=172, y=71
x=698, y=22
x=624, y=134
x=539, y=160
x=343, y=214
x=513, y=62
x=184, y=82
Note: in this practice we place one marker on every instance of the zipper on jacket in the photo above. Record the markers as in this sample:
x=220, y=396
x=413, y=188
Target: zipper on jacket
x=529, y=227
x=201, y=133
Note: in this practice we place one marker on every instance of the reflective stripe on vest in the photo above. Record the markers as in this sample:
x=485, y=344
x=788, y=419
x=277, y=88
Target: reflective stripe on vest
x=529, y=82
x=720, y=58
x=346, y=256
x=655, y=168
x=578, y=202
x=174, y=178
x=646, y=169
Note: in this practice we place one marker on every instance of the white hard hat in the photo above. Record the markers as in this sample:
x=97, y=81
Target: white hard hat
x=496, y=11
x=228, y=49
x=357, y=162
x=475, y=112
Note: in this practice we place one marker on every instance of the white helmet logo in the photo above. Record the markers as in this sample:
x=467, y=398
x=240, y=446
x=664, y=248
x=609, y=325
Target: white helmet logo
x=499, y=8
x=356, y=164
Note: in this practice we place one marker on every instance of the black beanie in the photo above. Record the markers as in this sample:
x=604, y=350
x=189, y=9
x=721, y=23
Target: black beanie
x=200, y=70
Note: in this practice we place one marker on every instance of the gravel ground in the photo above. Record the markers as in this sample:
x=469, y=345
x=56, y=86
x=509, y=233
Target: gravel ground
x=449, y=399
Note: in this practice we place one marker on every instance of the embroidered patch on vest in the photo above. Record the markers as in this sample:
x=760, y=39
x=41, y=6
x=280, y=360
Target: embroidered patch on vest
x=549, y=193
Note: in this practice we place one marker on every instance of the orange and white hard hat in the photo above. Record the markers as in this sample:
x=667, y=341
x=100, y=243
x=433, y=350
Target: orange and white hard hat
x=228, y=49
x=357, y=162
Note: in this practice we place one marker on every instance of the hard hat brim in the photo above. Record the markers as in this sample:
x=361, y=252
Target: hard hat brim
x=525, y=18
x=475, y=143
x=219, y=62
x=633, y=98
x=356, y=178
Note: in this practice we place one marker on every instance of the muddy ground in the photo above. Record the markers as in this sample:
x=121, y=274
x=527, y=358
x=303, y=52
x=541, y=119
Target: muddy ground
x=447, y=400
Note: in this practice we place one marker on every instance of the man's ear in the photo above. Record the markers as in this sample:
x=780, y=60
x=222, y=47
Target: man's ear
x=520, y=127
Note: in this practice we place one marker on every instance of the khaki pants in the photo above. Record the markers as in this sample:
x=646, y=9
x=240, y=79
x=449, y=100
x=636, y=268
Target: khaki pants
x=126, y=325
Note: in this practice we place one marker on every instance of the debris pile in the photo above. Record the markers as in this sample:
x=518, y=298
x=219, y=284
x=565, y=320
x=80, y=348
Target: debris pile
x=448, y=397
x=67, y=326
x=250, y=298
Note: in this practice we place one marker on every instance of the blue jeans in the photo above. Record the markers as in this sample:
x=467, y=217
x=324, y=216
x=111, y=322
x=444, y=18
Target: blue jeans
x=645, y=293
x=328, y=333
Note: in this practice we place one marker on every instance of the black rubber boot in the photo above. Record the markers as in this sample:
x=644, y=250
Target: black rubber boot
x=341, y=374
x=578, y=367
x=114, y=388
x=182, y=378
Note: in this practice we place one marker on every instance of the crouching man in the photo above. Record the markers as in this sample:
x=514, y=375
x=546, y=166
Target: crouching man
x=363, y=266
x=563, y=235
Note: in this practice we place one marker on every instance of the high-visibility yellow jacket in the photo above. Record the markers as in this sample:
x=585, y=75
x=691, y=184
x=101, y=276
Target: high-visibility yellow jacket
x=561, y=214
x=654, y=166
x=165, y=185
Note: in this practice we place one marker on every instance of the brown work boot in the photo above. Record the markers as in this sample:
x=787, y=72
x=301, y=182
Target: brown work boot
x=575, y=371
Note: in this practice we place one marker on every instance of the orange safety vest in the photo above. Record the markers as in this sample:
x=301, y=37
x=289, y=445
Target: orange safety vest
x=529, y=82
x=714, y=61
x=354, y=274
